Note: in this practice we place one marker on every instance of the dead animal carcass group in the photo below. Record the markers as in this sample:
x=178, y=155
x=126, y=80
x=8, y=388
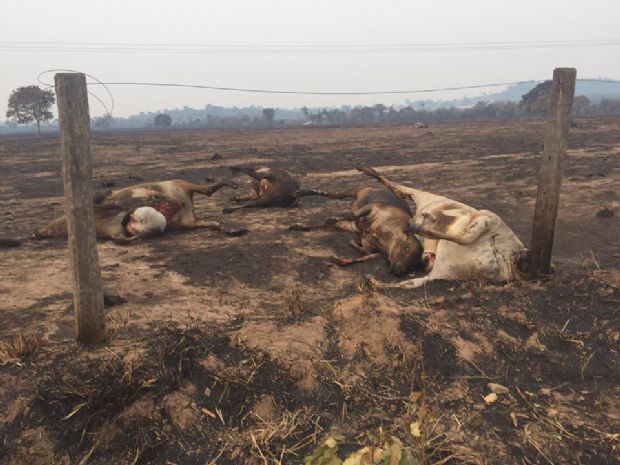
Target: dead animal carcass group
x=422, y=236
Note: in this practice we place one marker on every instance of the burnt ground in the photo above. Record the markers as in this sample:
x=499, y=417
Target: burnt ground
x=252, y=349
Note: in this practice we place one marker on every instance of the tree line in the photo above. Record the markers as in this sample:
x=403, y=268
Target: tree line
x=31, y=104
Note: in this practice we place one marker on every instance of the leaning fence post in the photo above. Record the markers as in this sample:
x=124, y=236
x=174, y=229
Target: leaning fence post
x=552, y=166
x=72, y=99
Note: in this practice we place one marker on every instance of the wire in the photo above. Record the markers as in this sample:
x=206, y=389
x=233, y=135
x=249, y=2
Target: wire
x=97, y=81
x=87, y=47
x=310, y=46
x=301, y=92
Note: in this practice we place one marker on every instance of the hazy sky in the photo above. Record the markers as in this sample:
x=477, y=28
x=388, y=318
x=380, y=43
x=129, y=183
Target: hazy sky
x=332, y=24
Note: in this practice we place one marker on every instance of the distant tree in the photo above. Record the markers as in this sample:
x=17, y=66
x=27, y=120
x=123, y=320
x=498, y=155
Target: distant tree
x=581, y=105
x=31, y=103
x=537, y=101
x=269, y=114
x=102, y=122
x=379, y=109
x=162, y=120
x=608, y=107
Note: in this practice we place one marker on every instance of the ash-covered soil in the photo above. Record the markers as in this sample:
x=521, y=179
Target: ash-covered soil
x=250, y=350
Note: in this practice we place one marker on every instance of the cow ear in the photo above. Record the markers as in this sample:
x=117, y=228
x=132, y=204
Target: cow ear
x=522, y=260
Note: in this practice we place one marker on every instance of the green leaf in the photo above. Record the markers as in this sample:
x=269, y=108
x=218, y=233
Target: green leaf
x=325, y=454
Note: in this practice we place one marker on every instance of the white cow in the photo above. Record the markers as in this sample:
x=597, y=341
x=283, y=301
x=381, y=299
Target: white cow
x=460, y=242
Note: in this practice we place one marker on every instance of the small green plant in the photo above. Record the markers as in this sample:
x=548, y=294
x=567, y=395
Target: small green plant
x=392, y=452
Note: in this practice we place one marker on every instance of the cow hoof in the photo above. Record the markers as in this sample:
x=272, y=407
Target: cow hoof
x=368, y=171
x=340, y=261
x=237, y=232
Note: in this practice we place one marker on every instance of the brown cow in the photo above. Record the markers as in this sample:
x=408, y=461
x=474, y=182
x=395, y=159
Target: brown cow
x=271, y=187
x=466, y=242
x=144, y=210
x=382, y=221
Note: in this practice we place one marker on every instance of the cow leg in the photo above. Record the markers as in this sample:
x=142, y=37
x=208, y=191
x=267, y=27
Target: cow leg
x=212, y=225
x=192, y=188
x=367, y=254
x=344, y=223
x=350, y=261
x=258, y=203
x=124, y=240
x=56, y=228
x=347, y=194
x=360, y=248
x=408, y=284
x=467, y=235
x=400, y=191
x=365, y=210
x=243, y=198
x=306, y=227
x=306, y=192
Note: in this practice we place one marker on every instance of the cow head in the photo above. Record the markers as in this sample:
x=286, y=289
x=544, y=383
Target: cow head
x=405, y=254
x=145, y=221
x=522, y=261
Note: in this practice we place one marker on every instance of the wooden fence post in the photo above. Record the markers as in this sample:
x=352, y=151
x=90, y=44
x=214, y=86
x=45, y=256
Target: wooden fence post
x=72, y=99
x=550, y=177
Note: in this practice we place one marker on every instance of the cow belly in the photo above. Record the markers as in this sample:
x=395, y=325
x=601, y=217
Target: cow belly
x=169, y=210
x=485, y=259
x=454, y=261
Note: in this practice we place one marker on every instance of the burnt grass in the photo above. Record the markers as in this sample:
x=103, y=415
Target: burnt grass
x=81, y=398
x=106, y=387
x=575, y=319
x=179, y=382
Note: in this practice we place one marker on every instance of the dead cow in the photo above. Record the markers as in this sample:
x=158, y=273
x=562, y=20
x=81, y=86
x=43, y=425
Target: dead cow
x=271, y=187
x=464, y=242
x=382, y=221
x=144, y=210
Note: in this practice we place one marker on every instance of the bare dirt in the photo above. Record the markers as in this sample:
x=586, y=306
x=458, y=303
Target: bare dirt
x=250, y=350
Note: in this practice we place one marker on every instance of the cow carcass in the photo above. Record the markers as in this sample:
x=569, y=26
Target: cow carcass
x=461, y=242
x=145, y=210
x=271, y=187
x=382, y=221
